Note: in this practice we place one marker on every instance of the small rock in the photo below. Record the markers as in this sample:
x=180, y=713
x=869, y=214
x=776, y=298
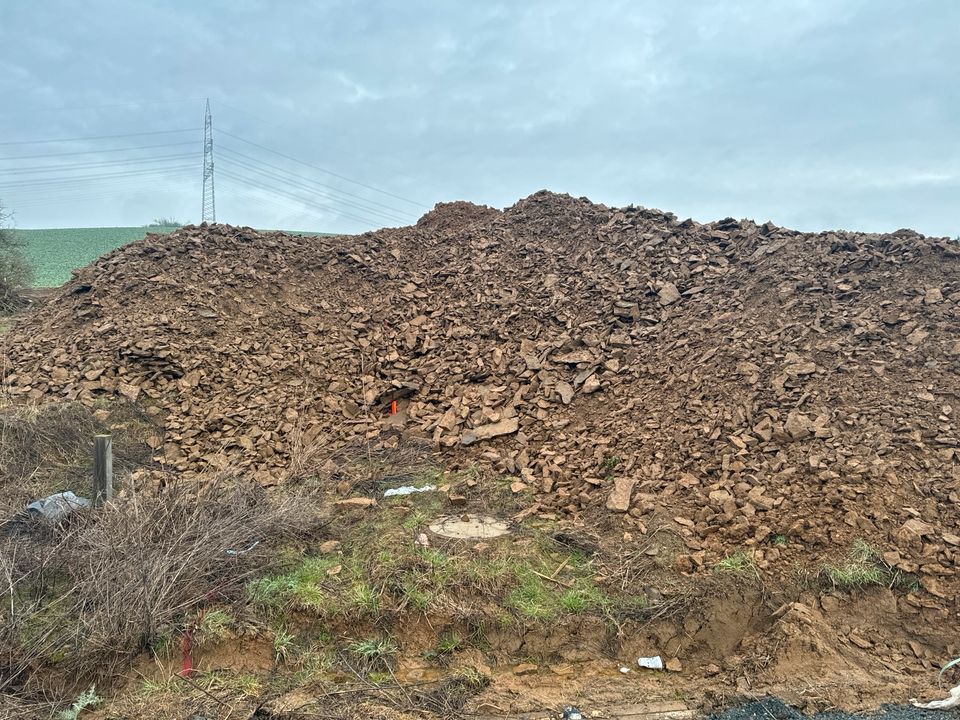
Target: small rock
x=330, y=546
x=668, y=294
x=619, y=499
x=492, y=430
x=797, y=425
x=566, y=392
x=355, y=503
x=525, y=669
x=591, y=384
x=932, y=296
x=674, y=665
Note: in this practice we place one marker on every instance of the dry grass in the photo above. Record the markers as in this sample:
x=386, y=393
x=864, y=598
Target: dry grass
x=49, y=448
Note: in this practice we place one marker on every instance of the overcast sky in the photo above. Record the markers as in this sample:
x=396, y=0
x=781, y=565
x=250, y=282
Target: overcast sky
x=814, y=114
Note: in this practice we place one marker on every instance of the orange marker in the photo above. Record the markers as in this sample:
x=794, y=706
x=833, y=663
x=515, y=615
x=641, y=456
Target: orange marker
x=393, y=407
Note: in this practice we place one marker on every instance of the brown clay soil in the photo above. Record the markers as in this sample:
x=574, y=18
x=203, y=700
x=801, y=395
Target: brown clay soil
x=754, y=389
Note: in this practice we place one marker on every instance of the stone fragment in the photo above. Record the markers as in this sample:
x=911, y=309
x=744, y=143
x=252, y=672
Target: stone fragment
x=619, y=498
x=668, y=294
x=355, y=503
x=491, y=430
x=797, y=425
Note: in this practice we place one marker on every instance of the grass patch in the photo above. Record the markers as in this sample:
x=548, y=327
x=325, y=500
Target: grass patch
x=374, y=654
x=214, y=627
x=865, y=568
x=283, y=645
x=383, y=572
x=739, y=562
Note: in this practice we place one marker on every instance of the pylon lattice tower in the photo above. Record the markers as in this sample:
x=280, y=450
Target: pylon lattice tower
x=209, y=202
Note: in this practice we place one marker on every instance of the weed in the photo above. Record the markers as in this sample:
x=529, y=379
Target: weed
x=282, y=646
x=738, y=562
x=862, y=551
x=87, y=699
x=301, y=587
x=374, y=652
x=249, y=685
x=472, y=678
x=364, y=598
x=416, y=596
x=582, y=598
x=313, y=662
x=779, y=541
x=164, y=646
x=610, y=463
x=415, y=520
x=158, y=687
x=447, y=644
x=214, y=627
x=530, y=599
x=865, y=567
x=853, y=576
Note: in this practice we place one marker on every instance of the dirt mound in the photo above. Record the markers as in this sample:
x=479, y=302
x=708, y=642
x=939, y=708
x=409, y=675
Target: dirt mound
x=760, y=387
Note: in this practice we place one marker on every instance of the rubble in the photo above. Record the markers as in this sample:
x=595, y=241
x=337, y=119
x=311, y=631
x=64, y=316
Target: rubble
x=755, y=381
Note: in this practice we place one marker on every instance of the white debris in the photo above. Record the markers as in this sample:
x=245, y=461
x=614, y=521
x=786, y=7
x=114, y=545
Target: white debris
x=651, y=663
x=947, y=703
x=408, y=490
x=58, y=506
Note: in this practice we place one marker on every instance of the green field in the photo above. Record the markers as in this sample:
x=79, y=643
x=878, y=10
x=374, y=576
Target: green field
x=55, y=252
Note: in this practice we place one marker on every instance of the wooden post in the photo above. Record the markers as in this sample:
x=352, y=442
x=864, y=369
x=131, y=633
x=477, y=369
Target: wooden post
x=102, y=469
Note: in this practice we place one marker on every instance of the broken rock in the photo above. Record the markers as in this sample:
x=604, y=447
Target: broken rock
x=492, y=430
x=619, y=498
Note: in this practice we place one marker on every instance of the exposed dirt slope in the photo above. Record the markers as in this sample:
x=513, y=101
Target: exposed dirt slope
x=749, y=381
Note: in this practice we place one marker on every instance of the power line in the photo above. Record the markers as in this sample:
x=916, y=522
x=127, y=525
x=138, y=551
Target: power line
x=392, y=217
x=82, y=178
x=68, y=199
x=106, y=163
x=307, y=202
x=99, y=137
x=98, y=152
x=320, y=169
x=300, y=201
x=148, y=183
x=401, y=213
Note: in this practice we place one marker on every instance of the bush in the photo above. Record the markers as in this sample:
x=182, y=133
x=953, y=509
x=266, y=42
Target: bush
x=84, y=597
x=165, y=222
x=15, y=271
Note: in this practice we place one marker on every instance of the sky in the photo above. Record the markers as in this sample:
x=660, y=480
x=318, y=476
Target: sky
x=344, y=116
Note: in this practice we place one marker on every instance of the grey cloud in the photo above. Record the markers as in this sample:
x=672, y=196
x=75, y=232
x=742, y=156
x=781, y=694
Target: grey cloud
x=814, y=113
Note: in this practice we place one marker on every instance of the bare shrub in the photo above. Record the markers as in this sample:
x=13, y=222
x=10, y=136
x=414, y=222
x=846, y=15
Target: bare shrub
x=84, y=597
x=15, y=271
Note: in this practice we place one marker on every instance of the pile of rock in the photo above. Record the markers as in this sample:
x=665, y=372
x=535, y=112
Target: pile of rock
x=745, y=381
